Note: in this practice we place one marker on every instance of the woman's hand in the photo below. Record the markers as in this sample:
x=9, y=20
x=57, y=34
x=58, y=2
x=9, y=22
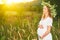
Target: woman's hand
x=40, y=26
x=41, y=37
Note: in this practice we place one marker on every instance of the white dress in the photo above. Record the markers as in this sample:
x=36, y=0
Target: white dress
x=45, y=23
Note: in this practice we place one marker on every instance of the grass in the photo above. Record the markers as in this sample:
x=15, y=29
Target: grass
x=23, y=27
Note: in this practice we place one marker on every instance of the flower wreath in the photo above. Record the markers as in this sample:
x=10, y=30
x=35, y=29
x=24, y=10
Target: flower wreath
x=52, y=8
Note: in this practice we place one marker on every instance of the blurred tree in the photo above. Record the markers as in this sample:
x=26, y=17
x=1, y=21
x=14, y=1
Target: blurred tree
x=57, y=2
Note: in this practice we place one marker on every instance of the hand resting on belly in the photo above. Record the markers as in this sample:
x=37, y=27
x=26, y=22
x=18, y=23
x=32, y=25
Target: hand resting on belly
x=40, y=26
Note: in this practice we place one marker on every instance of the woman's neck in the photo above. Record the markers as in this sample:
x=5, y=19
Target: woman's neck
x=46, y=16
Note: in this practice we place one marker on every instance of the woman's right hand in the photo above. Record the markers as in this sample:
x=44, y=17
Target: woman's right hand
x=40, y=26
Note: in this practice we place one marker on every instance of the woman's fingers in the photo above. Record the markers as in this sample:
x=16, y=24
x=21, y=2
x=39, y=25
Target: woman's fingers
x=41, y=37
x=40, y=26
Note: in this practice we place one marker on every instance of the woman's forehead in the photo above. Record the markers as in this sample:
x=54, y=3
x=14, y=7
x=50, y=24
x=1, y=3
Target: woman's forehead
x=45, y=7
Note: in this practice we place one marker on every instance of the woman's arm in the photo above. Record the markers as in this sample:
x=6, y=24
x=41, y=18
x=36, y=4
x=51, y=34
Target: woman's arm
x=47, y=32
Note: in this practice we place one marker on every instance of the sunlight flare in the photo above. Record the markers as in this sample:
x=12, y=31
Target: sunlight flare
x=17, y=1
x=1, y=2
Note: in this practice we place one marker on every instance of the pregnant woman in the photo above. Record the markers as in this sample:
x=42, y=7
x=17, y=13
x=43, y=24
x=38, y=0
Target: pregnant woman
x=45, y=25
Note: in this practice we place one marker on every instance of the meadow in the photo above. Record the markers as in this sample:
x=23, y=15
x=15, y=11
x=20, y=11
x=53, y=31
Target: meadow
x=23, y=26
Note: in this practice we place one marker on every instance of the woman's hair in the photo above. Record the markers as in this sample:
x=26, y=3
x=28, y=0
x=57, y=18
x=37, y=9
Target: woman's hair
x=49, y=12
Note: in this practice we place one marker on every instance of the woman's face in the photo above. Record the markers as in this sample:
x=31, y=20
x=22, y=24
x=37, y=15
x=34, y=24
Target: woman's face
x=45, y=10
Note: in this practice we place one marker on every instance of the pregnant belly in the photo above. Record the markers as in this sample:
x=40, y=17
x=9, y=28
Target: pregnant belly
x=41, y=31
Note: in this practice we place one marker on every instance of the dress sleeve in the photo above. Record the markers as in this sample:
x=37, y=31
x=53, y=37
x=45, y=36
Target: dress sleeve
x=49, y=22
